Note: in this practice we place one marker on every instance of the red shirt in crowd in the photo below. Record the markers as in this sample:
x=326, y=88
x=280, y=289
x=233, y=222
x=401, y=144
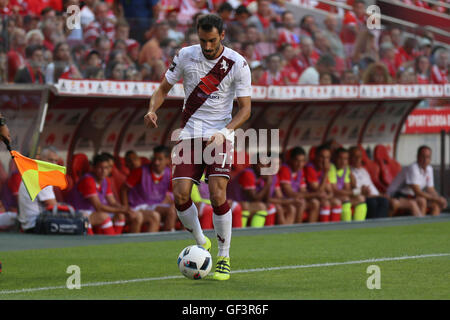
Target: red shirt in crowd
x=439, y=76
x=88, y=187
x=350, y=19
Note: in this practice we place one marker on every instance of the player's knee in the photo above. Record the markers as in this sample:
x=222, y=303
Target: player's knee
x=181, y=197
x=421, y=201
x=336, y=202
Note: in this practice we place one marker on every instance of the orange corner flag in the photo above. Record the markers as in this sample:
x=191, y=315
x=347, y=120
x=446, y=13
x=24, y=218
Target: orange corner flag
x=37, y=174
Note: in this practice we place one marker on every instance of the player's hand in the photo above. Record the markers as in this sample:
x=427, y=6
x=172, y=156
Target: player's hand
x=150, y=119
x=4, y=134
x=217, y=138
x=365, y=190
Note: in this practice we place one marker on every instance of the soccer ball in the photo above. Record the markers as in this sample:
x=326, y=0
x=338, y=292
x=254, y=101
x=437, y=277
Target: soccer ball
x=194, y=262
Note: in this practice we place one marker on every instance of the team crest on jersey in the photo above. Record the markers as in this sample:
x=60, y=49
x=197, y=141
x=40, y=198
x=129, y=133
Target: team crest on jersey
x=224, y=66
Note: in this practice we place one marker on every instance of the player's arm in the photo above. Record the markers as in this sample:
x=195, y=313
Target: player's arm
x=124, y=194
x=245, y=110
x=425, y=194
x=156, y=101
x=100, y=207
x=4, y=131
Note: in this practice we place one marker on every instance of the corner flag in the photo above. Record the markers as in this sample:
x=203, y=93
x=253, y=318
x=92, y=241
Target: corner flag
x=37, y=174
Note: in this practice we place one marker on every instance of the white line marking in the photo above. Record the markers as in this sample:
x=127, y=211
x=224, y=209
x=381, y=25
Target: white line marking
x=327, y=264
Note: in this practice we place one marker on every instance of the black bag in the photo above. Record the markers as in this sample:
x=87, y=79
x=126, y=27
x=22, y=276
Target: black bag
x=61, y=219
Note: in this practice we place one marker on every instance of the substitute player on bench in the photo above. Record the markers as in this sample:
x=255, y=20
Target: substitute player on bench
x=213, y=76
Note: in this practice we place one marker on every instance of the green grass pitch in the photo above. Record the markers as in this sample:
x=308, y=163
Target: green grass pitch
x=140, y=269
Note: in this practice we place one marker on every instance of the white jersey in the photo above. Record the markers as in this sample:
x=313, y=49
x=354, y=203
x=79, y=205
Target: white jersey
x=412, y=174
x=208, y=102
x=30, y=210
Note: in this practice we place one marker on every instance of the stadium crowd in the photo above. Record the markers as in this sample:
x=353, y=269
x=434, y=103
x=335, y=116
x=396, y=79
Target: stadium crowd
x=136, y=41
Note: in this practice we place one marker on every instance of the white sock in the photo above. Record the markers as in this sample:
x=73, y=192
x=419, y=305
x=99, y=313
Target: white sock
x=222, y=226
x=189, y=218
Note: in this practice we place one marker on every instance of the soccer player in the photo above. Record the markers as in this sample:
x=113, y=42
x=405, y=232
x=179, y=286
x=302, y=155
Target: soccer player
x=148, y=189
x=293, y=185
x=92, y=195
x=316, y=174
x=213, y=76
x=340, y=180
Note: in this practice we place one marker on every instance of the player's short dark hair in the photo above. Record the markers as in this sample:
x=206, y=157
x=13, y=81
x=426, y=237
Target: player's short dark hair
x=322, y=148
x=108, y=155
x=99, y=158
x=208, y=22
x=340, y=150
x=162, y=149
x=421, y=148
x=129, y=152
x=296, y=151
x=242, y=10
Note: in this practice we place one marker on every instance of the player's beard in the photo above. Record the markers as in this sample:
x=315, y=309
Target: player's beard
x=211, y=54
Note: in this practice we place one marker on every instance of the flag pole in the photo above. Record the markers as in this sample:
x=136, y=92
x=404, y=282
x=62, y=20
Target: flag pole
x=8, y=146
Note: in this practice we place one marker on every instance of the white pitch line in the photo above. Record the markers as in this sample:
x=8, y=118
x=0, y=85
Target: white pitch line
x=317, y=265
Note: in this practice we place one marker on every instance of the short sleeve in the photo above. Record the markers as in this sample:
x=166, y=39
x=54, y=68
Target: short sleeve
x=284, y=175
x=243, y=79
x=430, y=178
x=134, y=177
x=311, y=175
x=247, y=180
x=175, y=71
x=87, y=187
x=412, y=175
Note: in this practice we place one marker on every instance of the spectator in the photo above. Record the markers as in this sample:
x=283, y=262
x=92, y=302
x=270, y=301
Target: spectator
x=416, y=181
x=396, y=37
x=10, y=190
x=30, y=210
x=87, y=13
x=93, y=196
x=376, y=73
x=365, y=46
x=308, y=26
x=273, y=75
x=257, y=72
x=264, y=19
x=32, y=72
x=377, y=204
x=34, y=37
x=101, y=26
x=174, y=28
x=406, y=76
x=236, y=29
x=293, y=185
x=94, y=73
x=425, y=46
x=287, y=33
x=141, y=15
x=249, y=52
x=62, y=66
x=321, y=43
x=354, y=21
x=16, y=55
x=151, y=51
x=308, y=56
x=439, y=71
x=290, y=64
x=349, y=77
x=115, y=71
x=311, y=75
x=387, y=57
x=102, y=45
x=278, y=6
x=326, y=78
x=92, y=59
x=406, y=54
x=148, y=188
x=331, y=33
x=339, y=177
x=422, y=69
x=225, y=11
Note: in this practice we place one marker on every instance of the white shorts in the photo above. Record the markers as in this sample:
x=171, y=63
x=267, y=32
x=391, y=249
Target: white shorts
x=150, y=207
x=7, y=219
x=87, y=213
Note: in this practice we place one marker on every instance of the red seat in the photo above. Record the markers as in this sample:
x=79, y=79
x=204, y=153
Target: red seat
x=80, y=166
x=389, y=167
x=120, y=163
x=374, y=170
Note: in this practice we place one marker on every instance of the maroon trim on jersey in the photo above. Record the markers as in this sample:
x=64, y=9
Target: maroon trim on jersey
x=207, y=85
